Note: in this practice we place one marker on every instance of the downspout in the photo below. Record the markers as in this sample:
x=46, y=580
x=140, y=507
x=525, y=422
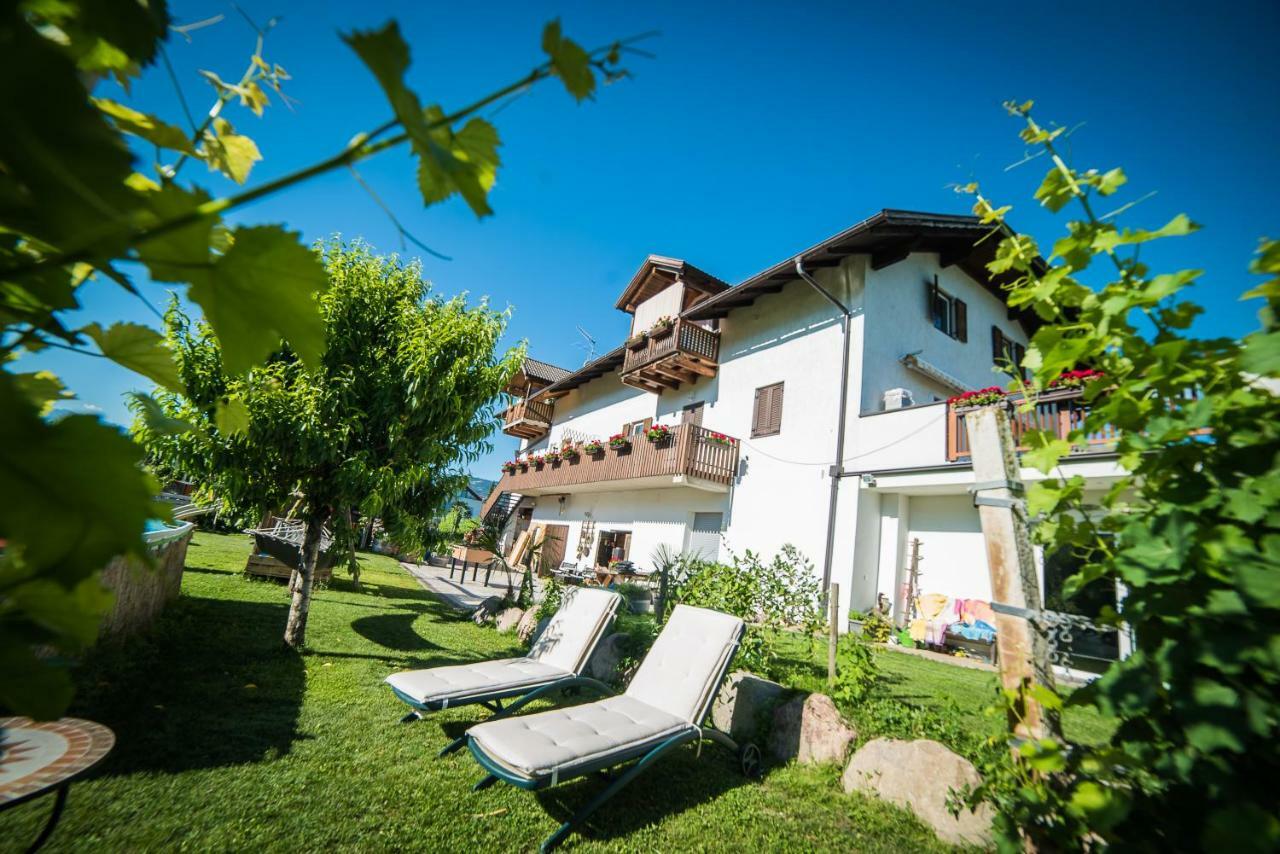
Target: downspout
x=837, y=468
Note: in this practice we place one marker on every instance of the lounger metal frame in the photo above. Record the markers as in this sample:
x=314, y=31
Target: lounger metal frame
x=748, y=754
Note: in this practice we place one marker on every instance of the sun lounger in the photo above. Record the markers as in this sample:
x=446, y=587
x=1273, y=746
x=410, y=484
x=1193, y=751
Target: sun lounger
x=663, y=708
x=555, y=662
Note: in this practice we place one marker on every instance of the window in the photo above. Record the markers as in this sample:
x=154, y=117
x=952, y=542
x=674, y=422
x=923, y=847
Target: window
x=947, y=313
x=1007, y=353
x=692, y=414
x=637, y=428
x=704, y=536
x=766, y=416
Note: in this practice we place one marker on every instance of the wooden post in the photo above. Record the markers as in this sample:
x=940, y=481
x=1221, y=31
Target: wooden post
x=1023, y=649
x=833, y=638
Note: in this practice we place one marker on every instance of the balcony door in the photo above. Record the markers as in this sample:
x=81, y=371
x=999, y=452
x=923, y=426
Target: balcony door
x=692, y=414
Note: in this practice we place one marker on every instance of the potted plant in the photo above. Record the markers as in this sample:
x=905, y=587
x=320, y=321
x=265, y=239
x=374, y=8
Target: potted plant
x=523, y=464
x=509, y=467
x=592, y=447
x=619, y=441
x=720, y=439
x=1076, y=379
x=638, y=597
x=661, y=327
x=857, y=620
x=570, y=453
x=979, y=397
x=635, y=342
x=658, y=433
x=552, y=456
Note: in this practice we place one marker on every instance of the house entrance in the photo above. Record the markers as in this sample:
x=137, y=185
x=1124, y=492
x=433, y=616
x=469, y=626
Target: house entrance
x=614, y=545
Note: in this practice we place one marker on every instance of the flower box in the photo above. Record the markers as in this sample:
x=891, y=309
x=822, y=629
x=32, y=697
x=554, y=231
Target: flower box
x=509, y=467
x=570, y=453
x=524, y=465
x=637, y=342
x=1076, y=379
x=658, y=433
x=662, y=327
x=721, y=439
x=537, y=461
x=619, y=441
x=592, y=447
x=979, y=397
x=552, y=457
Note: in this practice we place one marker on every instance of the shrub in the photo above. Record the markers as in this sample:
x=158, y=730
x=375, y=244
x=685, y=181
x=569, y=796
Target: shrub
x=552, y=594
x=856, y=671
x=876, y=629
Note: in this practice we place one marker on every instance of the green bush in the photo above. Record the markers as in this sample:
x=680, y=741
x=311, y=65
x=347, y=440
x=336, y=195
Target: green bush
x=552, y=594
x=782, y=593
x=876, y=629
x=856, y=671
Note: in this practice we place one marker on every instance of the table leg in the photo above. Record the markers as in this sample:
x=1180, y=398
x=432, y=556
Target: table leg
x=59, y=802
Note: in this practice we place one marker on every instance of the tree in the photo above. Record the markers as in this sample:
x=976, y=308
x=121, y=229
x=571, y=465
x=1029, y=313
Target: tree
x=1191, y=532
x=93, y=194
x=402, y=398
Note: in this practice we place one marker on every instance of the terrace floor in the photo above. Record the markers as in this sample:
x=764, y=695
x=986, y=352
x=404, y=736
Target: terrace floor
x=227, y=740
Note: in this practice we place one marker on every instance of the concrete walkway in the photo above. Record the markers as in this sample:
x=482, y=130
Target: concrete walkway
x=464, y=594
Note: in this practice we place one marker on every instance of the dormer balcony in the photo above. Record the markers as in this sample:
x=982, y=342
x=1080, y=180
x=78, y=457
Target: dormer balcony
x=527, y=419
x=667, y=358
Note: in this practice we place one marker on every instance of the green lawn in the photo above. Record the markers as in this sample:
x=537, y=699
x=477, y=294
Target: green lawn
x=227, y=741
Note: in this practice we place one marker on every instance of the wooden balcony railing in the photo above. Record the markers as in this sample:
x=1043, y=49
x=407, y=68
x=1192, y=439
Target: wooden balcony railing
x=667, y=359
x=690, y=452
x=527, y=419
x=1058, y=412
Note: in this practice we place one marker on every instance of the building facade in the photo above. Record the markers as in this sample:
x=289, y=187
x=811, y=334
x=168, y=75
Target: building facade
x=890, y=317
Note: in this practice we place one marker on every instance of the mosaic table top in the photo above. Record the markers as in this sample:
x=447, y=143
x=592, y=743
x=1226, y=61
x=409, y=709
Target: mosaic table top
x=36, y=756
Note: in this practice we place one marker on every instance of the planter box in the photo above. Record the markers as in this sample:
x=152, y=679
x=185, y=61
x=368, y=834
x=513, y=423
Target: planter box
x=472, y=555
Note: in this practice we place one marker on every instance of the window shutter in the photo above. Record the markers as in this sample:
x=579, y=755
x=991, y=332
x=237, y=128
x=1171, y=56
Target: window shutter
x=775, y=410
x=962, y=322
x=1018, y=353
x=648, y=422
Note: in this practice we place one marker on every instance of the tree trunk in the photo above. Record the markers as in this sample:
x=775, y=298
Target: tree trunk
x=295, y=630
x=353, y=565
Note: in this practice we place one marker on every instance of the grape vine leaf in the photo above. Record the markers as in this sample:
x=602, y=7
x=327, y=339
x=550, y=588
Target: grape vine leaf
x=138, y=348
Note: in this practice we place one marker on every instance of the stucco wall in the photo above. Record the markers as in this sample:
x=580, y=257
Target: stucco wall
x=895, y=302
x=665, y=303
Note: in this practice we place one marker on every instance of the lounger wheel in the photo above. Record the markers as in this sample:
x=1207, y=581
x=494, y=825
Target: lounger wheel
x=749, y=761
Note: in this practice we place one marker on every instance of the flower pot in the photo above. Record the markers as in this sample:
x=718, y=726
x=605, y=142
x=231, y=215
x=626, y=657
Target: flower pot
x=660, y=332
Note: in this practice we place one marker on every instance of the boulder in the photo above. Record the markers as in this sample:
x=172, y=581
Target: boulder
x=509, y=618
x=527, y=626
x=744, y=705
x=487, y=610
x=810, y=730
x=919, y=775
x=604, y=662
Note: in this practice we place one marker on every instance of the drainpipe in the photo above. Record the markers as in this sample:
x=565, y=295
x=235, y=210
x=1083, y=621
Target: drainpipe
x=837, y=469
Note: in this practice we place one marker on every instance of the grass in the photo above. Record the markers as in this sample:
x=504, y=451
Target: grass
x=228, y=741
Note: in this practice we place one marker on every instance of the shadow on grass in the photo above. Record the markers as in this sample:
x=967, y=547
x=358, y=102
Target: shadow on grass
x=211, y=685
x=679, y=781
x=393, y=631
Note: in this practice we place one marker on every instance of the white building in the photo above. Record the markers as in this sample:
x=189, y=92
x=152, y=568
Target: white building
x=904, y=300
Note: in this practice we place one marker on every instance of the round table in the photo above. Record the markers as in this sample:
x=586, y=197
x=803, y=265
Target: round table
x=39, y=757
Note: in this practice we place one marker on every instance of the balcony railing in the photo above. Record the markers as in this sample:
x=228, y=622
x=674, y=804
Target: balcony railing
x=690, y=453
x=527, y=419
x=666, y=359
x=1058, y=412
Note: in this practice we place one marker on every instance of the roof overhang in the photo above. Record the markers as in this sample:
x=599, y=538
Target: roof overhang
x=659, y=272
x=607, y=363
x=887, y=237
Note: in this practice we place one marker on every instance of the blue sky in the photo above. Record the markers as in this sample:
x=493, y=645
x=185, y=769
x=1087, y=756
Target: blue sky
x=757, y=130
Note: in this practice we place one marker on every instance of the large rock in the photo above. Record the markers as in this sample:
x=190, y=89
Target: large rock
x=744, y=706
x=919, y=775
x=487, y=610
x=811, y=730
x=606, y=658
x=509, y=619
x=527, y=626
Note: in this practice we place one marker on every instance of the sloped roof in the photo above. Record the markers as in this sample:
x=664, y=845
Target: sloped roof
x=544, y=371
x=666, y=270
x=597, y=368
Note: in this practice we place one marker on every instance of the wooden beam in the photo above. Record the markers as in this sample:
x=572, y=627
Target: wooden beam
x=697, y=366
x=888, y=255
x=671, y=369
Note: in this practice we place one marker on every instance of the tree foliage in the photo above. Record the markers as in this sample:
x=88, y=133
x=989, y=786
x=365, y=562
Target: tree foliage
x=1191, y=532
x=93, y=195
x=402, y=400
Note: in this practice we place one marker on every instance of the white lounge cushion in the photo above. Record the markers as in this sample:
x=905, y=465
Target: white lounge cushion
x=686, y=663
x=460, y=681
x=574, y=630
x=560, y=740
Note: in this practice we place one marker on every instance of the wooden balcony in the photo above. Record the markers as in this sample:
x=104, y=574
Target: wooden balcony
x=667, y=359
x=1058, y=412
x=689, y=458
x=527, y=419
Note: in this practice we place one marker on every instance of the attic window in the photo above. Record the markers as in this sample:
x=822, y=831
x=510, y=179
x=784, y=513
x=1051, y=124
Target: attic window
x=947, y=313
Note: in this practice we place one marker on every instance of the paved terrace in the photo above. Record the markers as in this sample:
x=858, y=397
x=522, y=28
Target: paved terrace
x=465, y=590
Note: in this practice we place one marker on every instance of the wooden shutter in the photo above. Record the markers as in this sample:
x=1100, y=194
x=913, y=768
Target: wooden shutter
x=961, y=332
x=767, y=414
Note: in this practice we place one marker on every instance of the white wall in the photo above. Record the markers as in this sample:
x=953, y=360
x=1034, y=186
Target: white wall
x=665, y=303
x=898, y=325
x=902, y=438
